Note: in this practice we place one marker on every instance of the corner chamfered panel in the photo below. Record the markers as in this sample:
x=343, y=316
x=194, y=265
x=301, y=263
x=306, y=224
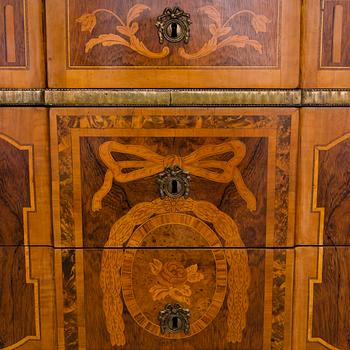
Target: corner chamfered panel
x=25, y=177
x=16, y=191
x=231, y=44
x=27, y=318
x=326, y=45
x=19, y=319
x=323, y=200
x=21, y=44
x=322, y=287
x=238, y=299
x=321, y=298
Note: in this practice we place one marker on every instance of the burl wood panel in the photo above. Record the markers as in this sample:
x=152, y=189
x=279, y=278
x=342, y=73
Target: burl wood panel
x=124, y=196
x=24, y=176
x=86, y=301
x=21, y=44
x=256, y=190
x=326, y=44
x=321, y=300
x=323, y=200
x=231, y=44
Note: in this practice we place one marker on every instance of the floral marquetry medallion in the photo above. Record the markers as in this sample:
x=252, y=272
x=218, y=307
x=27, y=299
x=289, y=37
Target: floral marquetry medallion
x=169, y=216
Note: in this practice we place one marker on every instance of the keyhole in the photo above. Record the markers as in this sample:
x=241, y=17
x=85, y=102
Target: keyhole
x=173, y=30
x=174, y=323
x=174, y=189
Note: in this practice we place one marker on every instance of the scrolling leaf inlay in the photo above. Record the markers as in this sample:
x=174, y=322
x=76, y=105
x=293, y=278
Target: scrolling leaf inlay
x=218, y=30
x=129, y=28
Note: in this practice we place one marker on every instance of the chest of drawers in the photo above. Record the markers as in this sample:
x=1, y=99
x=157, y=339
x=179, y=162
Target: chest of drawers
x=193, y=215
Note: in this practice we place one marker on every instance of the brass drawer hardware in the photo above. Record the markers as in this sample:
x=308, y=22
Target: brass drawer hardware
x=174, y=319
x=174, y=26
x=174, y=183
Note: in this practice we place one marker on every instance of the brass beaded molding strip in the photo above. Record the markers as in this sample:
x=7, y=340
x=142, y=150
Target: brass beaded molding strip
x=169, y=97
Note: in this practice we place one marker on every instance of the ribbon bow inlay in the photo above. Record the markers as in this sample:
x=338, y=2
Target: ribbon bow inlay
x=197, y=164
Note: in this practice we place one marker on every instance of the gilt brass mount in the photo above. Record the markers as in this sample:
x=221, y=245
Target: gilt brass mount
x=174, y=319
x=174, y=26
x=174, y=183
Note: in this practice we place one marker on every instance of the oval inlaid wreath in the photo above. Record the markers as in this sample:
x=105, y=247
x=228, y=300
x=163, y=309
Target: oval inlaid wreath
x=122, y=230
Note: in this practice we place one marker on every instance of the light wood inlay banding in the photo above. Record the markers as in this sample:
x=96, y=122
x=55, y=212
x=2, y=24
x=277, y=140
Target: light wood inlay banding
x=10, y=34
x=337, y=33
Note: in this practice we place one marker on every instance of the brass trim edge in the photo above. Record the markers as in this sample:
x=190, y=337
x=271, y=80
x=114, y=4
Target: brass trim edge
x=91, y=97
x=176, y=97
x=326, y=97
x=21, y=97
x=252, y=97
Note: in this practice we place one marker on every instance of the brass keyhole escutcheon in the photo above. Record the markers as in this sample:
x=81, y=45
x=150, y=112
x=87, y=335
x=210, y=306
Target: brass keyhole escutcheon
x=174, y=32
x=174, y=319
x=174, y=26
x=175, y=324
x=174, y=183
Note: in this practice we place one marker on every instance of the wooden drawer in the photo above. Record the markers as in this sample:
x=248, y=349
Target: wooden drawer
x=326, y=45
x=107, y=44
x=21, y=44
x=321, y=300
x=132, y=242
x=27, y=301
x=27, y=298
x=238, y=299
x=107, y=164
x=25, y=199
x=323, y=199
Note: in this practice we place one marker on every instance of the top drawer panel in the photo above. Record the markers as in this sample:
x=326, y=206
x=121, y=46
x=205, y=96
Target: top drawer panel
x=106, y=44
x=21, y=44
x=326, y=58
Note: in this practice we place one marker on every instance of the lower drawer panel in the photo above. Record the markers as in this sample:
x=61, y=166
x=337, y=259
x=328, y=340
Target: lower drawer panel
x=27, y=303
x=237, y=298
x=322, y=298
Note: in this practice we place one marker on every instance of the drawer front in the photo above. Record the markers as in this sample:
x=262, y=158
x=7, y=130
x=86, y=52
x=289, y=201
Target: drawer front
x=326, y=60
x=21, y=44
x=27, y=300
x=142, y=246
x=323, y=201
x=110, y=166
x=321, y=278
x=237, y=298
x=226, y=44
x=321, y=320
x=25, y=177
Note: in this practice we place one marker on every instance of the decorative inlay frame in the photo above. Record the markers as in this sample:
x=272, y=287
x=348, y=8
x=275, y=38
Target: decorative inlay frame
x=26, y=211
x=259, y=22
x=74, y=125
x=321, y=211
x=26, y=56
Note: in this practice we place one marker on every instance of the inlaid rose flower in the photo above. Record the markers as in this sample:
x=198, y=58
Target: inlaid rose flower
x=172, y=274
x=171, y=280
